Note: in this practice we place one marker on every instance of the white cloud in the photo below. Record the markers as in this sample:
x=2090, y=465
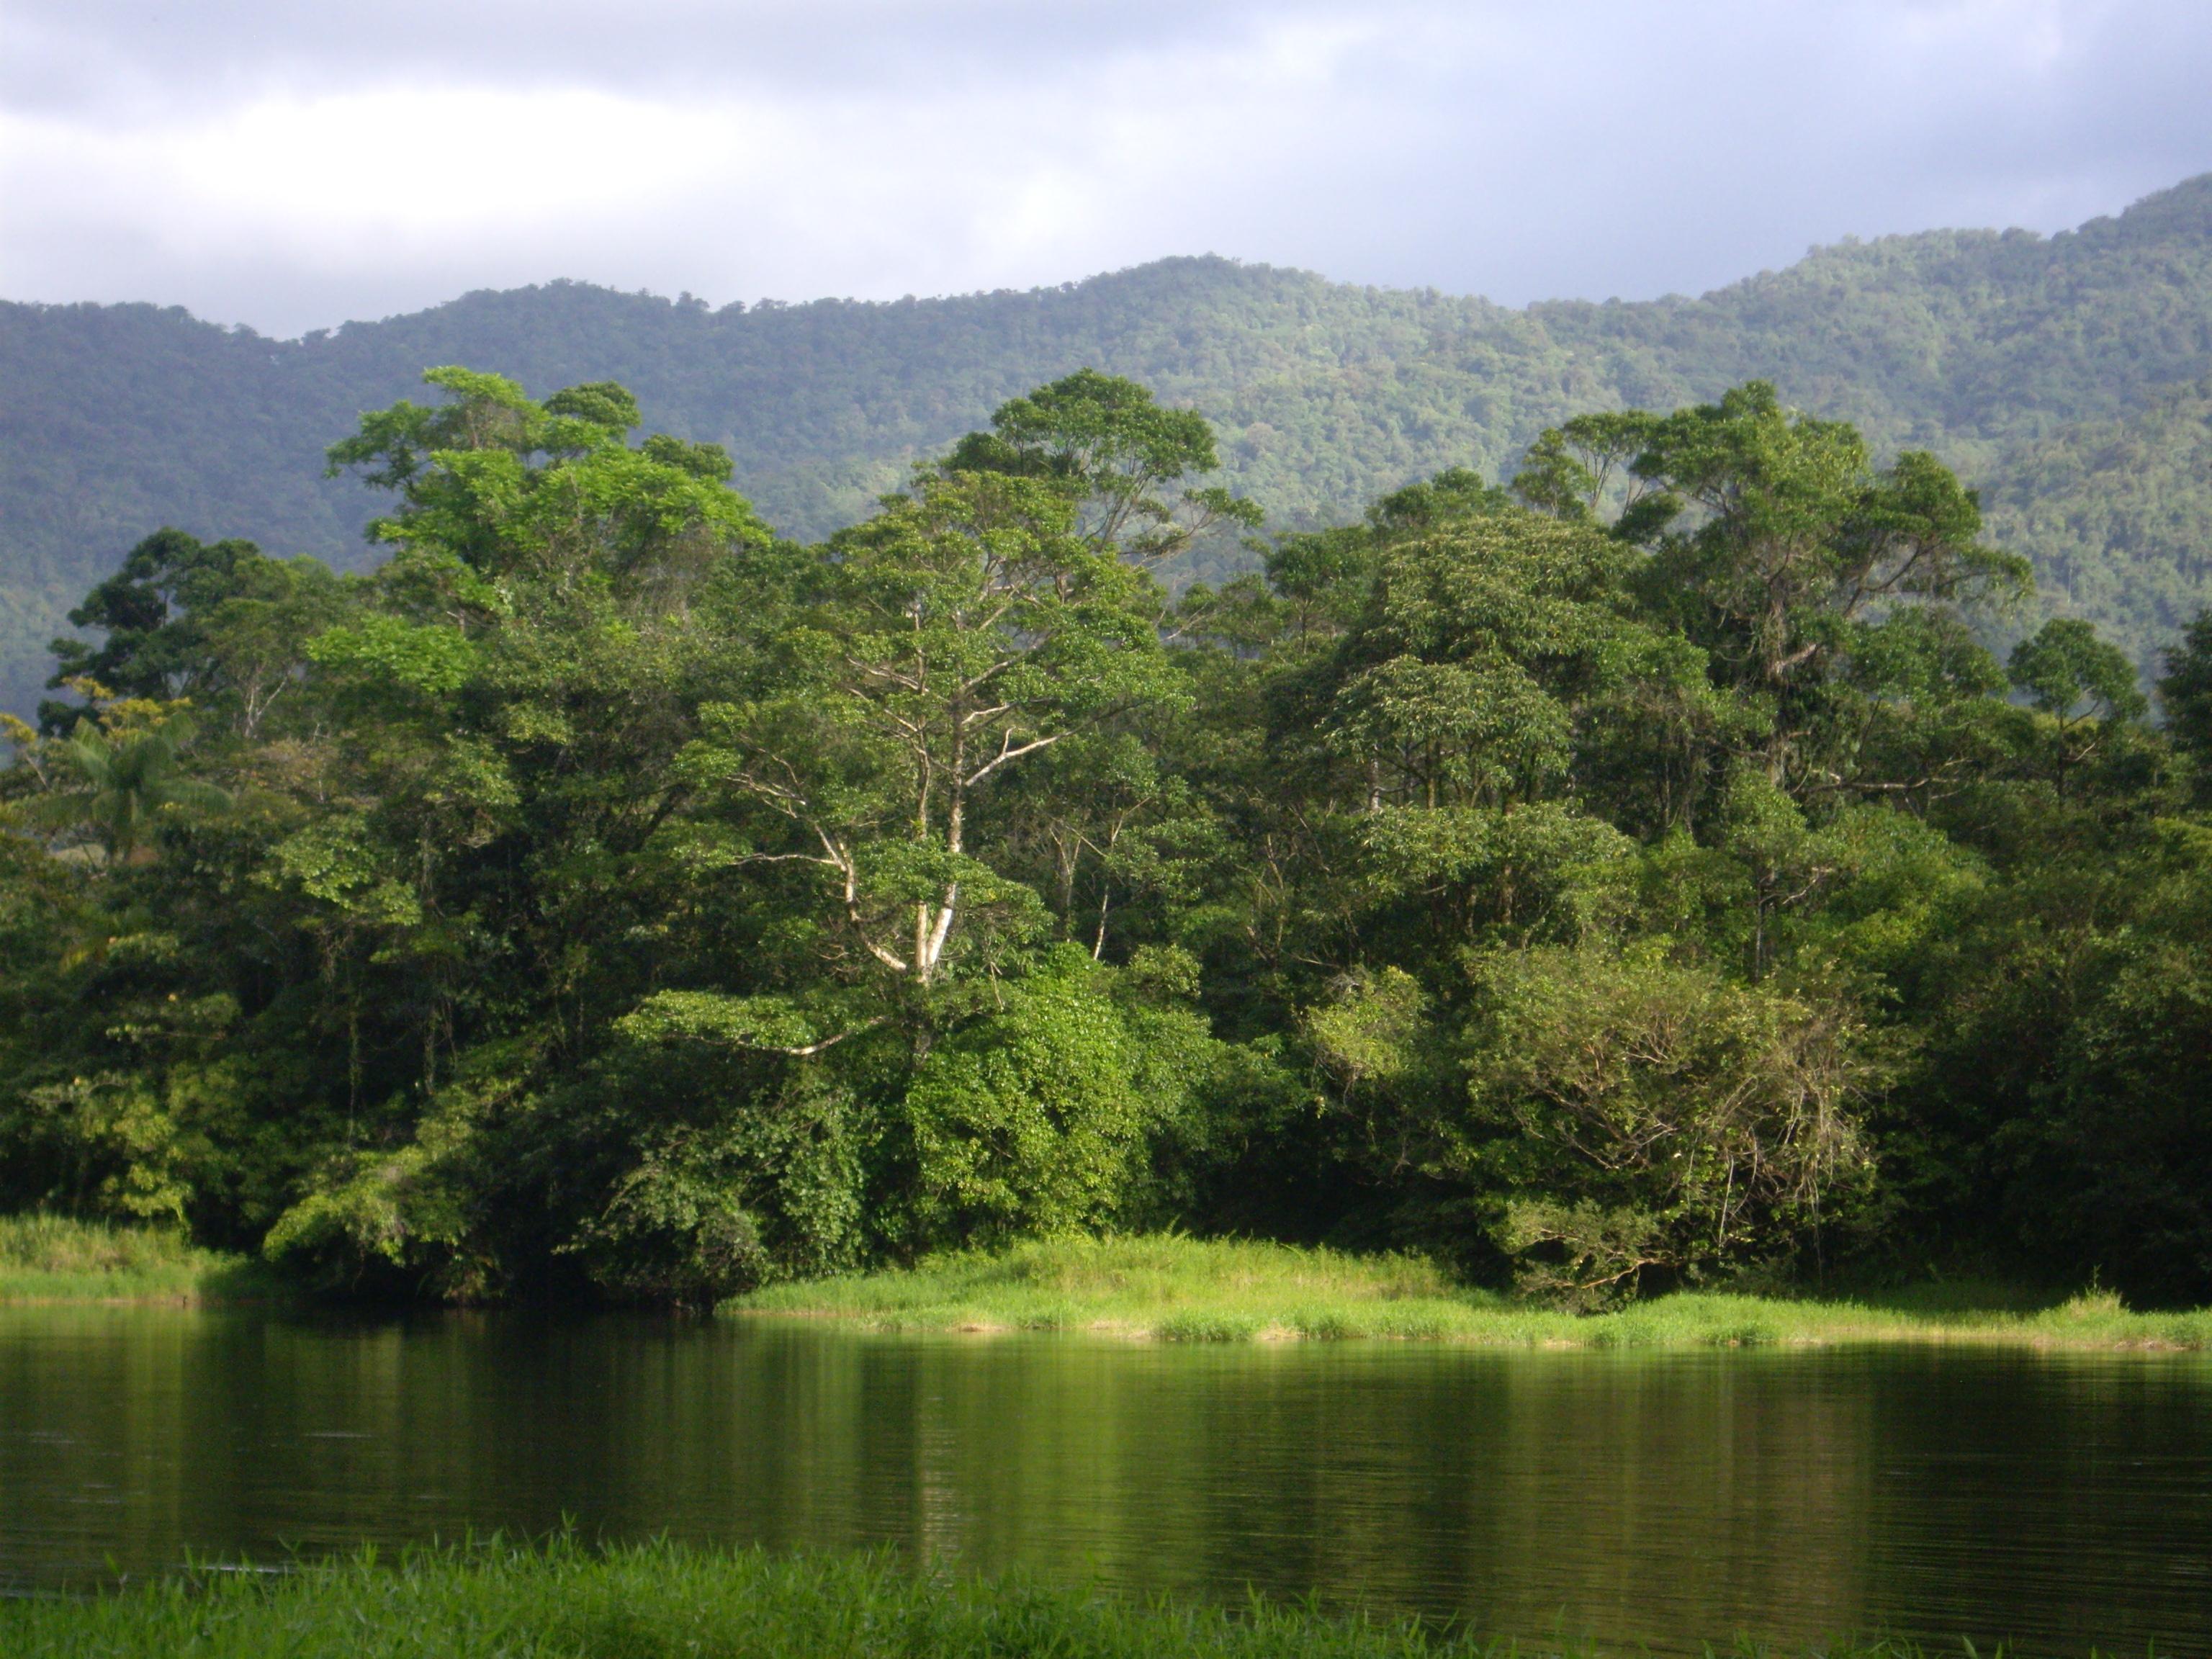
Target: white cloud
x=289, y=165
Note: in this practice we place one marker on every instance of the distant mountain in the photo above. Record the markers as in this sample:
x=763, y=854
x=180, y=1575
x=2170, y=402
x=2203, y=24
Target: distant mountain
x=2071, y=376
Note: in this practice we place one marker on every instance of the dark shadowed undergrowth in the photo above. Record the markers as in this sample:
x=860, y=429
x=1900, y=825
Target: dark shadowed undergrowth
x=562, y=1602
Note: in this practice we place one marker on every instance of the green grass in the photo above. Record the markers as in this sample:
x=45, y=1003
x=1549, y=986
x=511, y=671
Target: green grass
x=644, y=1602
x=51, y=1258
x=1177, y=1289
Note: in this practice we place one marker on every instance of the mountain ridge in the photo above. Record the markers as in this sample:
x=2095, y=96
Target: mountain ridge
x=2002, y=350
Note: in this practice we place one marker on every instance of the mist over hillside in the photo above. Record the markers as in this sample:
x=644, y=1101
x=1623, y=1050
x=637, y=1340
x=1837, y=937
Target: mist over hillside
x=2069, y=377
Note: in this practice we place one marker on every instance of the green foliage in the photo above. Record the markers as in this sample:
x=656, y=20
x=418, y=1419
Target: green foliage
x=1658, y=1116
x=960, y=633
x=1032, y=1120
x=715, y=1169
x=1103, y=439
x=2070, y=674
x=2185, y=694
x=46, y=1257
x=369, y=1211
x=2186, y=690
x=674, y=1230
x=215, y=624
x=2114, y=512
x=1771, y=536
x=2054, y=374
x=114, y=784
x=1645, y=882
x=664, y=1600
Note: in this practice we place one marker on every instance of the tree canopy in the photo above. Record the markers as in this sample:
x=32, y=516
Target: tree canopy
x=1637, y=873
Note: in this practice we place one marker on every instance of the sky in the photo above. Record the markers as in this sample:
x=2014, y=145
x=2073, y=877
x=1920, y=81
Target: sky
x=291, y=166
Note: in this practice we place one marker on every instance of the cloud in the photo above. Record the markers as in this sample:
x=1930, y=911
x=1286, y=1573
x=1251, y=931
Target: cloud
x=291, y=165
x=113, y=56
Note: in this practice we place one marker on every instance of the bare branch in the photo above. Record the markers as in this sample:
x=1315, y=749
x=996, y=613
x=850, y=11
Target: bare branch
x=1009, y=751
x=802, y=1052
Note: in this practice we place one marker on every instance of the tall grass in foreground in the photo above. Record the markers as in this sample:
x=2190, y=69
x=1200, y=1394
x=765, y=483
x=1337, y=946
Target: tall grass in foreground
x=1175, y=1289
x=656, y=1600
x=52, y=1258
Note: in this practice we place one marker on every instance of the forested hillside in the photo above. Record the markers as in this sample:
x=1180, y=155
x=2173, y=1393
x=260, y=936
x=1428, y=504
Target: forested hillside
x=2063, y=375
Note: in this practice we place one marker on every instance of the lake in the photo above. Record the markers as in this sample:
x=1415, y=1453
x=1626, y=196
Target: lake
x=1641, y=1497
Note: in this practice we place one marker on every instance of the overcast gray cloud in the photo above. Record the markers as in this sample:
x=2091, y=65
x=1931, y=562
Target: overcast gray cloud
x=292, y=164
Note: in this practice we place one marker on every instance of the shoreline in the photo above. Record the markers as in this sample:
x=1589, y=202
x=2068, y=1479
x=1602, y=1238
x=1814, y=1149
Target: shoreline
x=207, y=1290
x=2032, y=1338
x=1180, y=1290
x=1174, y=1289
x=51, y=1260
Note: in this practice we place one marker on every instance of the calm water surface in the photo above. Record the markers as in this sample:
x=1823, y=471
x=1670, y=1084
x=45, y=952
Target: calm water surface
x=1655, y=1498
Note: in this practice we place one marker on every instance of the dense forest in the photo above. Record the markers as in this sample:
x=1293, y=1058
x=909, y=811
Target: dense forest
x=1635, y=874
x=2064, y=378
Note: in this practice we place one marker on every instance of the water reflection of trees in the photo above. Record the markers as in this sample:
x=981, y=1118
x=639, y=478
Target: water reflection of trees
x=1651, y=1497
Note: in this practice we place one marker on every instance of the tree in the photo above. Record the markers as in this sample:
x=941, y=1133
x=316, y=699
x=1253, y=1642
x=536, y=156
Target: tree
x=118, y=784
x=1482, y=641
x=2084, y=687
x=2186, y=694
x=1651, y=884
x=217, y=624
x=1653, y=1115
x=517, y=490
x=1771, y=534
x=964, y=629
x=2068, y=672
x=477, y=873
x=1030, y=1121
x=1119, y=455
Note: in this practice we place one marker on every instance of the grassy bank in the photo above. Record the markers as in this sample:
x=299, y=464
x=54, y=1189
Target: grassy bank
x=663, y=1600
x=1192, y=1290
x=50, y=1258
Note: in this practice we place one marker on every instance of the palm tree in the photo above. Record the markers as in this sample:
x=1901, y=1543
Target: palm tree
x=121, y=785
